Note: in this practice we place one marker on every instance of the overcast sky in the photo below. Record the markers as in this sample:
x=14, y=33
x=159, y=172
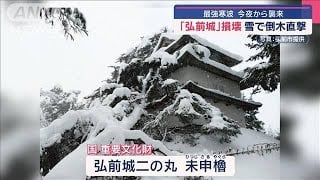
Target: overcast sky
x=41, y=53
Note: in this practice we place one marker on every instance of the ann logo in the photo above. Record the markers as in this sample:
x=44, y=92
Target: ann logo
x=24, y=11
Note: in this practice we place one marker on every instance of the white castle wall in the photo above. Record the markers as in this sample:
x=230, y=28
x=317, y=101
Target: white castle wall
x=233, y=112
x=207, y=79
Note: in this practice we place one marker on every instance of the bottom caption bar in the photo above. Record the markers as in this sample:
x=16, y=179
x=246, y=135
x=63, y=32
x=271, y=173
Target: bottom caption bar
x=189, y=165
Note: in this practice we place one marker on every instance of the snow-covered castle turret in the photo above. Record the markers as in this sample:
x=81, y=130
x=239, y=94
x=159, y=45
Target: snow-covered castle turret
x=206, y=70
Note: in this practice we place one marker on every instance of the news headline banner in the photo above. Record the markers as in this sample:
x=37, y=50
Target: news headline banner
x=250, y=19
x=189, y=165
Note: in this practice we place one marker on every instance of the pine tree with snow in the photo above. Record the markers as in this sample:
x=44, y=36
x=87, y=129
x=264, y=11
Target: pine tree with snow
x=141, y=51
x=72, y=21
x=252, y=122
x=266, y=74
x=56, y=102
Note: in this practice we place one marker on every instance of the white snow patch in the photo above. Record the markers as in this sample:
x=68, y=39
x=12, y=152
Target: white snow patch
x=95, y=103
x=130, y=50
x=132, y=119
x=262, y=65
x=118, y=92
x=169, y=81
x=145, y=41
x=204, y=42
x=134, y=60
x=255, y=166
x=185, y=107
x=216, y=120
x=122, y=66
x=171, y=36
x=164, y=57
x=199, y=49
x=100, y=117
x=51, y=140
x=121, y=92
x=106, y=85
x=121, y=108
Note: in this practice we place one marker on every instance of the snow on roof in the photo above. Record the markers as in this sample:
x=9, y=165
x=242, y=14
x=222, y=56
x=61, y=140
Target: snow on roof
x=190, y=84
x=172, y=36
x=194, y=49
x=163, y=56
x=189, y=48
x=216, y=47
x=231, y=60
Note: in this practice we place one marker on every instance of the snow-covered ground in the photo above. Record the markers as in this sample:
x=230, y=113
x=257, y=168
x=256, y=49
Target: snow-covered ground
x=207, y=143
x=254, y=166
x=248, y=166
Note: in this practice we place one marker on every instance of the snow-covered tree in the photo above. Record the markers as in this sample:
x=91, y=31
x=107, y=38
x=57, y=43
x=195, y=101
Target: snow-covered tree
x=141, y=51
x=275, y=133
x=56, y=102
x=266, y=74
x=43, y=121
x=71, y=20
x=252, y=122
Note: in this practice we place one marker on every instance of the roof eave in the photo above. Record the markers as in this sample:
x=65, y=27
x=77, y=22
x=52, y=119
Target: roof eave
x=246, y=105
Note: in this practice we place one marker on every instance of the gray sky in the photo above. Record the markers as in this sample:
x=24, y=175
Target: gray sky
x=42, y=54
